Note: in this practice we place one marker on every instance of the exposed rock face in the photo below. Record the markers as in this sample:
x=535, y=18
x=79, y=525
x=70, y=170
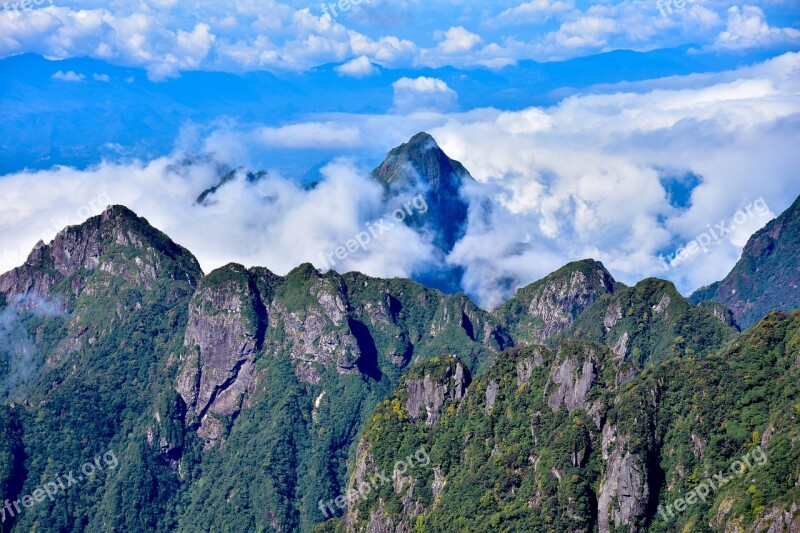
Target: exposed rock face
x=491, y=395
x=572, y=384
x=435, y=384
x=380, y=522
x=117, y=242
x=367, y=474
x=431, y=394
x=624, y=482
x=621, y=347
x=721, y=312
x=224, y=334
x=662, y=305
x=321, y=323
x=439, y=482
x=550, y=306
x=613, y=315
x=777, y=520
x=319, y=338
x=525, y=371
x=699, y=446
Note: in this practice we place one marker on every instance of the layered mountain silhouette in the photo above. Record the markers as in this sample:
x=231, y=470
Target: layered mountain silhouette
x=767, y=277
x=418, y=168
x=242, y=400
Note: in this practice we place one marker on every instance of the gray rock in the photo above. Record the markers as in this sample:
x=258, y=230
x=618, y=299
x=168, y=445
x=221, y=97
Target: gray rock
x=572, y=387
x=491, y=395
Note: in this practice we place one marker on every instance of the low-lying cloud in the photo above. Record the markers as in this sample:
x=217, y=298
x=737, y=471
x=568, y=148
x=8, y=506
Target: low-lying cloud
x=594, y=176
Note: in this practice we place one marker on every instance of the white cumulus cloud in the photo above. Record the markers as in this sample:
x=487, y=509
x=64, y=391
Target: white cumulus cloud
x=423, y=94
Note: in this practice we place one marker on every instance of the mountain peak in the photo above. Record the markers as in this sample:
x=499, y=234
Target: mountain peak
x=552, y=304
x=420, y=167
x=117, y=241
x=423, y=140
x=421, y=159
x=765, y=278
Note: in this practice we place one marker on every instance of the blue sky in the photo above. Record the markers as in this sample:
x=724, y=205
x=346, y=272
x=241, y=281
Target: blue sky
x=594, y=129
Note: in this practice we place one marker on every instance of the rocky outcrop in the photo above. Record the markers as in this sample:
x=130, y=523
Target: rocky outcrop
x=223, y=336
x=430, y=392
x=662, y=304
x=317, y=339
x=620, y=349
x=550, y=306
x=525, y=368
x=573, y=381
x=491, y=395
x=777, y=520
x=613, y=315
x=623, y=489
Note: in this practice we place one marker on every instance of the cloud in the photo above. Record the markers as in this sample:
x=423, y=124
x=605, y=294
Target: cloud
x=423, y=94
x=273, y=222
x=588, y=177
x=457, y=40
x=101, y=77
x=17, y=350
x=748, y=28
x=309, y=135
x=69, y=76
x=165, y=38
x=585, y=32
x=533, y=12
x=360, y=67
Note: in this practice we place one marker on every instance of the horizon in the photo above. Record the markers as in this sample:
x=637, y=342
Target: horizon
x=592, y=130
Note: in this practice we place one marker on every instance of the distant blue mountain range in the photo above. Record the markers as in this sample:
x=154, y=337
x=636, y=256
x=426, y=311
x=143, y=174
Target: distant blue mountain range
x=117, y=112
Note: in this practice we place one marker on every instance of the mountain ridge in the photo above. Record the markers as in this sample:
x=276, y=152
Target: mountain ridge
x=243, y=390
x=765, y=277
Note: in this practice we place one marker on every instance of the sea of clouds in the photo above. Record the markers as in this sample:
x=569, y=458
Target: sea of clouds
x=584, y=178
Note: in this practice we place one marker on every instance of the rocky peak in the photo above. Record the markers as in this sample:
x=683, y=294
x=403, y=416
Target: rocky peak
x=551, y=305
x=765, y=278
x=117, y=242
x=422, y=154
x=421, y=167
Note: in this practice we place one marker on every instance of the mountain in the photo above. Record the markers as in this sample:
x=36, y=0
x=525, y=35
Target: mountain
x=422, y=181
x=576, y=438
x=241, y=400
x=113, y=339
x=421, y=167
x=552, y=304
x=649, y=323
x=766, y=277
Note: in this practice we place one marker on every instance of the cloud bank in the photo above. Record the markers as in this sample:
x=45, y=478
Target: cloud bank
x=167, y=39
x=621, y=176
